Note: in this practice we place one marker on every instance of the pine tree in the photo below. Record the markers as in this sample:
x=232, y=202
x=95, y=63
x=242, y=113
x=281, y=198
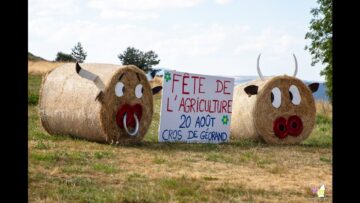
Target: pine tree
x=78, y=53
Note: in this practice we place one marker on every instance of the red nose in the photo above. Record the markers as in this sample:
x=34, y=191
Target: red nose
x=294, y=125
x=129, y=111
x=283, y=127
x=279, y=128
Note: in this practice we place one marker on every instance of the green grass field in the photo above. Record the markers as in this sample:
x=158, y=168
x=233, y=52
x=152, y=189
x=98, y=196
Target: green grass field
x=66, y=169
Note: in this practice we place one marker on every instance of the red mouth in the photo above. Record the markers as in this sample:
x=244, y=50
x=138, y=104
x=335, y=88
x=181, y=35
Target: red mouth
x=283, y=127
x=129, y=111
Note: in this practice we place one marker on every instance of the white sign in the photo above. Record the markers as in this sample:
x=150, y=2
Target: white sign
x=195, y=108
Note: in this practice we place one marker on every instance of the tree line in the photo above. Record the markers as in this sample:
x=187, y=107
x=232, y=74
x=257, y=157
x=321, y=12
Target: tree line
x=131, y=56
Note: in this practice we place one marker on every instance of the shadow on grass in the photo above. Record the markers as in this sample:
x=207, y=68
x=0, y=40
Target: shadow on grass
x=207, y=147
x=196, y=147
x=202, y=147
x=167, y=146
x=317, y=143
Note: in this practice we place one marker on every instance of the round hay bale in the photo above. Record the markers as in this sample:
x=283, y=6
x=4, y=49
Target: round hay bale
x=156, y=81
x=279, y=110
x=113, y=104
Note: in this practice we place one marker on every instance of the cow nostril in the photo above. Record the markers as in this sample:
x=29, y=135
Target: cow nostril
x=294, y=125
x=281, y=127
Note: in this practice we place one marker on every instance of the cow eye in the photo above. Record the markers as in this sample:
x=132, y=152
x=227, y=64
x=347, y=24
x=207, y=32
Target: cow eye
x=276, y=97
x=294, y=95
x=119, y=89
x=139, y=91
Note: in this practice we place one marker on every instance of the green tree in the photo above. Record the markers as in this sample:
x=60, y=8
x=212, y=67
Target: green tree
x=144, y=61
x=60, y=56
x=78, y=53
x=320, y=35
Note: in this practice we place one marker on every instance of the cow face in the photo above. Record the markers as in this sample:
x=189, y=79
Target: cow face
x=127, y=104
x=285, y=109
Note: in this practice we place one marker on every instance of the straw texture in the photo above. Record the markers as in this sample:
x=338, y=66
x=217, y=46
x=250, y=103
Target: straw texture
x=254, y=116
x=68, y=102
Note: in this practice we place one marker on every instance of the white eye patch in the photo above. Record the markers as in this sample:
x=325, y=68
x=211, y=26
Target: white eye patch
x=119, y=89
x=294, y=95
x=276, y=97
x=139, y=91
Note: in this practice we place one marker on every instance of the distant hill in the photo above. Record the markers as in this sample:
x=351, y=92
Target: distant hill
x=38, y=65
x=32, y=57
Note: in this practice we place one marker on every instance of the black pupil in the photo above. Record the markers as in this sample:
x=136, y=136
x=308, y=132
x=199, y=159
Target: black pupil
x=291, y=96
x=272, y=97
x=294, y=125
x=123, y=89
x=142, y=90
x=281, y=127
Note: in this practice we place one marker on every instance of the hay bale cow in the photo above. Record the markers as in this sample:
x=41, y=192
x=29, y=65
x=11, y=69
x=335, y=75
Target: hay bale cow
x=156, y=81
x=98, y=102
x=280, y=110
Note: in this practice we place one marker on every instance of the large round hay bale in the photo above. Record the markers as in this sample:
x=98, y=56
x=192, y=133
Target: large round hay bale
x=105, y=110
x=280, y=110
x=156, y=81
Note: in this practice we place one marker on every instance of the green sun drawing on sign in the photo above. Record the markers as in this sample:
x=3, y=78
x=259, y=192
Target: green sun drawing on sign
x=167, y=76
x=225, y=120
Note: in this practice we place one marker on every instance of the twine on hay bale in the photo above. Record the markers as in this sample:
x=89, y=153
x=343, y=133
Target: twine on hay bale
x=95, y=110
x=255, y=116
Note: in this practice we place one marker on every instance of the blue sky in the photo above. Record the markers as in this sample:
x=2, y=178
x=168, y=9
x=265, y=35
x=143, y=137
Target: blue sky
x=214, y=37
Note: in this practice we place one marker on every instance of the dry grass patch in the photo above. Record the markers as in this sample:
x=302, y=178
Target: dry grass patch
x=42, y=67
x=324, y=108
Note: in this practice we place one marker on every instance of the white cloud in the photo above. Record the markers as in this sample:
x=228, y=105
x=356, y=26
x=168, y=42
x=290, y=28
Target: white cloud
x=109, y=14
x=193, y=40
x=202, y=46
x=142, y=5
x=105, y=41
x=123, y=9
x=269, y=40
x=222, y=2
x=43, y=8
x=276, y=46
x=138, y=9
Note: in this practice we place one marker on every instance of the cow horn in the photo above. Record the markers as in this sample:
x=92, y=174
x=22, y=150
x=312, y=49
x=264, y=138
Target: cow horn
x=90, y=76
x=258, y=68
x=296, y=66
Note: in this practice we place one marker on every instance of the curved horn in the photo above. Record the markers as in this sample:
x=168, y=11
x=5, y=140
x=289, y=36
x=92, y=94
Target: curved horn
x=296, y=66
x=258, y=68
x=90, y=76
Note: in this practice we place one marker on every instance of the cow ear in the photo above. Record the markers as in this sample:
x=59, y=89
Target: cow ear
x=314, y=87
x=78, y=68
x=156, y=89
x=251, y=90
